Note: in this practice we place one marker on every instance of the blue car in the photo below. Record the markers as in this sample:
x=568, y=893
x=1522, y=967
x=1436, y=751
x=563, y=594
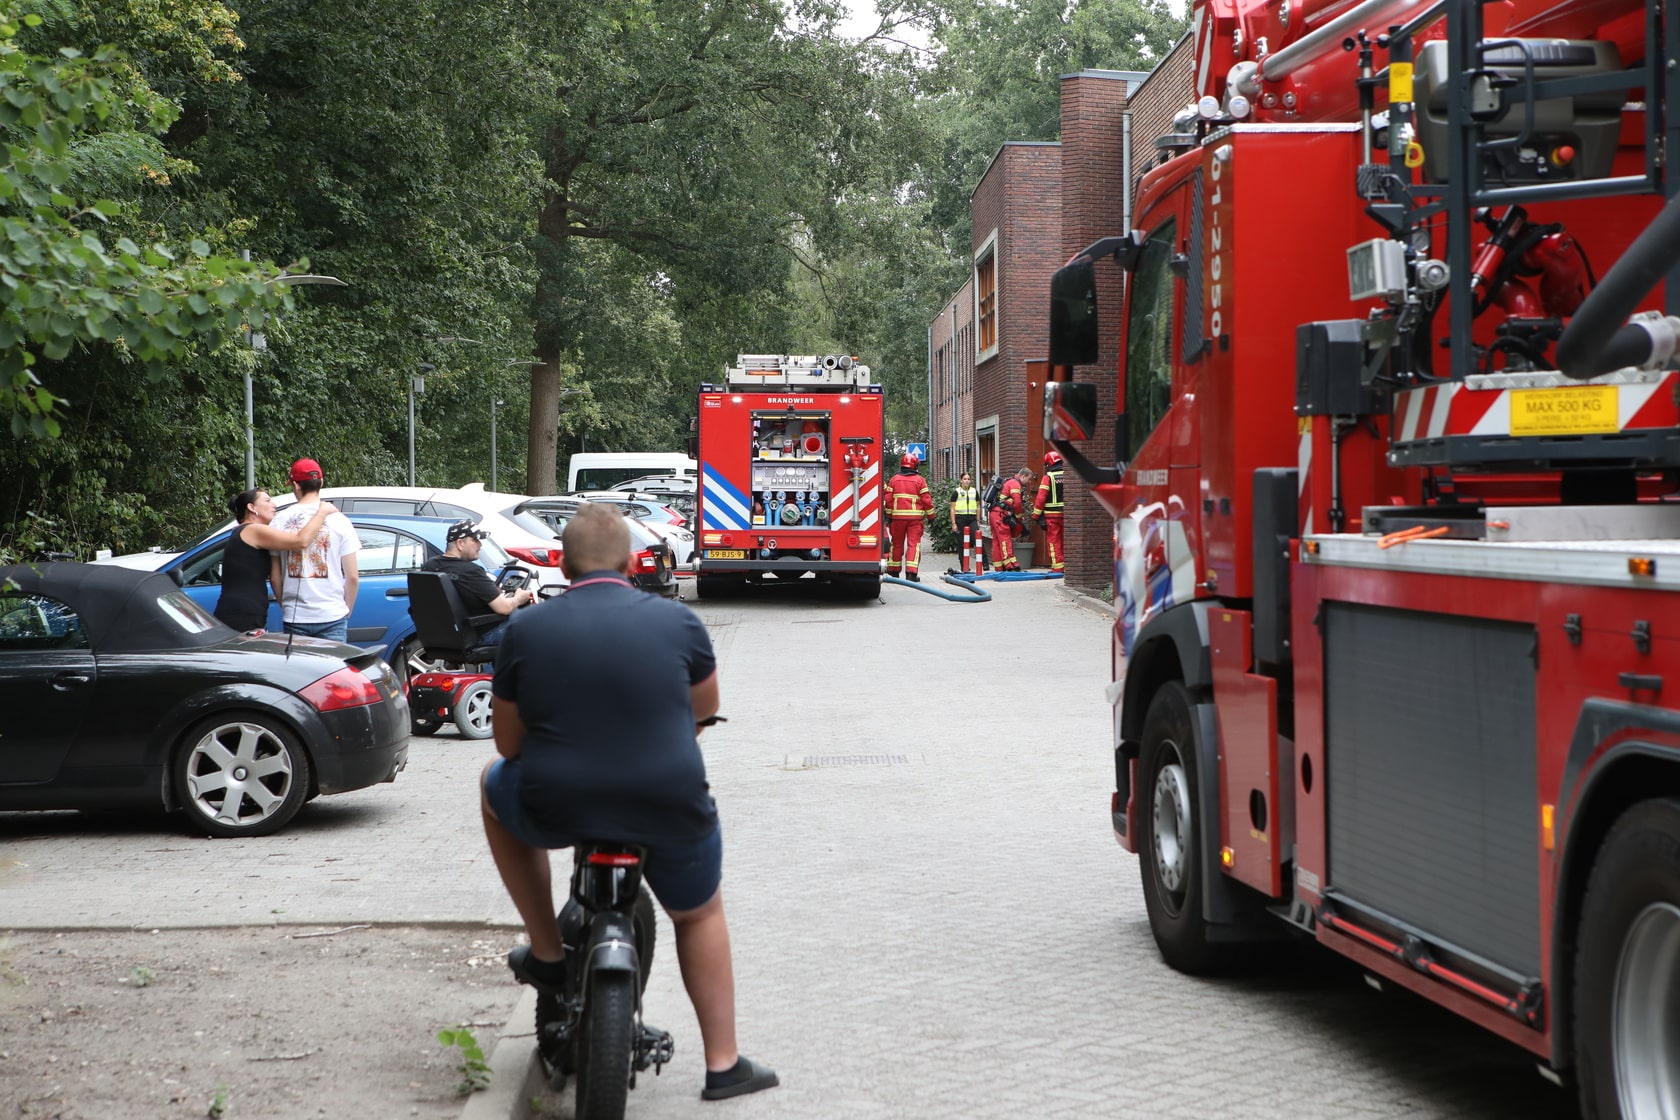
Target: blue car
x=391, y=547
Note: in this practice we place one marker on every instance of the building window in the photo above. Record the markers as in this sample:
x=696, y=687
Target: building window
x=986, y=298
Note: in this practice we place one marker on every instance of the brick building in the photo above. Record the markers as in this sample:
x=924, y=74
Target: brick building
x=1036, y=205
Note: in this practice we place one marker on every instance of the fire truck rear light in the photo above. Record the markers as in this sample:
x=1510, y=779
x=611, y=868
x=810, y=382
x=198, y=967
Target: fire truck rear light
x=711, y=538
x=735, y=400
x=1227, y=858
x=728, y=540
x=1548, y=835
x=1310, y=548
x=852, y=541
x=1642, y=566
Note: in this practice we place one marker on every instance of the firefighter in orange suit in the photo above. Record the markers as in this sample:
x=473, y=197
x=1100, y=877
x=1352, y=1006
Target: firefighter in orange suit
x=1047, y=507
x=1005, y=517
x=909, y=505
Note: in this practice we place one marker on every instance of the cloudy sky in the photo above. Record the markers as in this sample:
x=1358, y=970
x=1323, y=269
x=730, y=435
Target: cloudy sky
x=863, y=18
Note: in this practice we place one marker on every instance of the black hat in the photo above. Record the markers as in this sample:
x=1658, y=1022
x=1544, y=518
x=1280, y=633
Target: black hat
x=464, y=529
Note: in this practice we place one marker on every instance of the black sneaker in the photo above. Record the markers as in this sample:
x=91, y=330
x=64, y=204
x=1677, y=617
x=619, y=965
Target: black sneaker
x=547, y=977
x=747, y=1077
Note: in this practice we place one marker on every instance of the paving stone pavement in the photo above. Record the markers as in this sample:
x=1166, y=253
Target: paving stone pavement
x=930, y=915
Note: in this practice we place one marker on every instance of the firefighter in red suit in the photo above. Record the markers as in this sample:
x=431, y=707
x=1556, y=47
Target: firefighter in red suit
x=1047, y=507
x=1006, y=520
x=909, y=505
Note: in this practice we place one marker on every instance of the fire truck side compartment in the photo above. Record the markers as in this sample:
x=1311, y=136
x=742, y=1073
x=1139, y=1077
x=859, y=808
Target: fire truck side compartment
x=1275, y=519
x=1431, y=803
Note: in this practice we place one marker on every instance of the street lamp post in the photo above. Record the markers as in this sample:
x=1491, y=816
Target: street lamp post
x=494, y=405
x=259, y=342
x=415, y=385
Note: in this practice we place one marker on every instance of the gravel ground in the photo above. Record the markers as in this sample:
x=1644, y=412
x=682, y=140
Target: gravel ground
x=279, y=1023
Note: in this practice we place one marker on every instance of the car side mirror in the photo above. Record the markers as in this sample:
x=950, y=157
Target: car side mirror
x=1073, y=315
x=179, y=576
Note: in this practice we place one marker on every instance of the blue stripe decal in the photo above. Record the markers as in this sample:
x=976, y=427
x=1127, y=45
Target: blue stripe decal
x=722, y=506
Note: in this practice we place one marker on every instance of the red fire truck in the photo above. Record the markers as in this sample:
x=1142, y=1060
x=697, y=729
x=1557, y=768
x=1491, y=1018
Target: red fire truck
x=790, y=474
x=1396, y=490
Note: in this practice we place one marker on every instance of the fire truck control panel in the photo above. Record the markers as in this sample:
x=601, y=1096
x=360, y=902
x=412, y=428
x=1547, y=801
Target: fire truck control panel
x=790, y=474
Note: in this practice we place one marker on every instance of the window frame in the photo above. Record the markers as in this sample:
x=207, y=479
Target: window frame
x=50, y=610
x=986, y=286
x=1154, y=265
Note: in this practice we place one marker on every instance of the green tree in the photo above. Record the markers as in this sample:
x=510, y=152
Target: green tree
x=705, y=152
x=65, y=282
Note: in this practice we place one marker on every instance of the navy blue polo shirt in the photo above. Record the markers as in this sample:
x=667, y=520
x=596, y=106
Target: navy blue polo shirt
x=601, y=675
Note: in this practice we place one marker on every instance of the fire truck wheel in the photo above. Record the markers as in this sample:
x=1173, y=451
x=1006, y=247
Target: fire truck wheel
x=861, y=589
x=1627, y=970
x=718, y=587
x=1171, y=859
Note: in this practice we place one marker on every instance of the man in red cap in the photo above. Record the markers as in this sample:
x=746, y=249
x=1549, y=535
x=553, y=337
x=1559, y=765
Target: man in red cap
x=316, y=586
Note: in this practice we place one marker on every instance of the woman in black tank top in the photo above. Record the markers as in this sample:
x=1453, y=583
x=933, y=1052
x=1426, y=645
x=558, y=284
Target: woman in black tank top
x=245, y=559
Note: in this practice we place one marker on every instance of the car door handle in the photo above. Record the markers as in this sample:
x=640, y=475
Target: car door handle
x=396, y=593
x=65, y=681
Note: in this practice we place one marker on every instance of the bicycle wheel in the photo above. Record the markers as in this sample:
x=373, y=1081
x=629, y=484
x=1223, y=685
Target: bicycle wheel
x=606, y=1045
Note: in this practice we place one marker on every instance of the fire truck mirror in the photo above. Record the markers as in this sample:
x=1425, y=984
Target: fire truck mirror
x=1073, y=315
x=1070, y=410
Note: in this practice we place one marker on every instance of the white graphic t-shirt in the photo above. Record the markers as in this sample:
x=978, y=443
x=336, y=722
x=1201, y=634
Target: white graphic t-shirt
x=314, y=585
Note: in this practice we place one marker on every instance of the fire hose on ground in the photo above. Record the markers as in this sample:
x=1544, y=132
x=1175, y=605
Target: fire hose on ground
x=974, y=594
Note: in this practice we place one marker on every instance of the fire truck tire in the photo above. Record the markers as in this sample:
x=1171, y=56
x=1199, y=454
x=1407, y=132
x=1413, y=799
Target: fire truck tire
x=1627, y=970
x=861, y=589
x=1171, y=859
x=719, y=587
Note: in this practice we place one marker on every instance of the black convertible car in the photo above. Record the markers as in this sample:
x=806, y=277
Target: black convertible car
x=118, y=691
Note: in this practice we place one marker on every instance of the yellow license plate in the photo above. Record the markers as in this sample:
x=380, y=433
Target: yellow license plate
x=1564, y=412
x=725, y=554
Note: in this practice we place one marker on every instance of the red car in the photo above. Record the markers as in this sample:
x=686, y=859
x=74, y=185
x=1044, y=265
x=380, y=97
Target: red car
x=652, y=567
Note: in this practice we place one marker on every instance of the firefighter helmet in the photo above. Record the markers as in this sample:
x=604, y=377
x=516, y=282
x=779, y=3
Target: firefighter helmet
x=909, y=462
x=1052, y=458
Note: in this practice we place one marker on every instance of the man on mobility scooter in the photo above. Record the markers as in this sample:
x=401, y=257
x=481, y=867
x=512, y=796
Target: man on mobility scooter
x=459, y=612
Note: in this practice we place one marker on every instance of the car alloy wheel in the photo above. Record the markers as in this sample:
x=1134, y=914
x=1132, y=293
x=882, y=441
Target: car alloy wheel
x=241, y=775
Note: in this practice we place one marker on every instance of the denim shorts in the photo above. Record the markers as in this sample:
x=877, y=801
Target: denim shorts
x=683, y=876
x=338, y=630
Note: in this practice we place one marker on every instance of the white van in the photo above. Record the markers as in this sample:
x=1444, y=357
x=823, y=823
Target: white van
x=603, y=470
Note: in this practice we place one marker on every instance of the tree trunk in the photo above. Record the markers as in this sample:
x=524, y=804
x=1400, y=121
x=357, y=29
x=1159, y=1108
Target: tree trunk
x=541, y=451
x=541, y=463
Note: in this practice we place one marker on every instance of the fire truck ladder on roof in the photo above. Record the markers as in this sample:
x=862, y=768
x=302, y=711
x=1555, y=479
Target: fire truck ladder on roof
x=1497, y=124
x=1478, y=95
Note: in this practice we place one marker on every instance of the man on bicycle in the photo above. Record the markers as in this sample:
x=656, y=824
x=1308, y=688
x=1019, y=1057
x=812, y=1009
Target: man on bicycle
x=598, y=700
